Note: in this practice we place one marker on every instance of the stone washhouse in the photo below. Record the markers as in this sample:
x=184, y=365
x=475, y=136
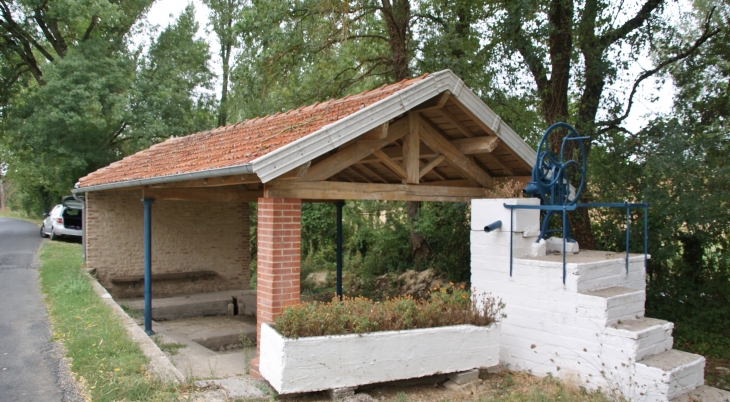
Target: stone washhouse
x=178, y=213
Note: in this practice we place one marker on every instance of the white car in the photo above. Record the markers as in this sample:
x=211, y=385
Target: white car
x=65, y=219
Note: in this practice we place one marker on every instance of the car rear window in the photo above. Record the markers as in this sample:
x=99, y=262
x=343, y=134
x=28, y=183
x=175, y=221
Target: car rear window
x=72, y=213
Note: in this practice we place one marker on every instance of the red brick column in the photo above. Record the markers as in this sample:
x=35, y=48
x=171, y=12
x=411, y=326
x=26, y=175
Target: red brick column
x=277, y=270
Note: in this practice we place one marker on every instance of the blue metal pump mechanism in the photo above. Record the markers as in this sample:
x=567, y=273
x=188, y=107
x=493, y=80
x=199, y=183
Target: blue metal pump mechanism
x=551, y=182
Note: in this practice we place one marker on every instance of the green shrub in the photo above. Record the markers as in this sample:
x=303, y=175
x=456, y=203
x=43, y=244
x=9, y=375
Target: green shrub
x=443, y=307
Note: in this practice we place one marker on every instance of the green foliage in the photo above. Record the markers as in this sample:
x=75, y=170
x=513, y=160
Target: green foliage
x=444, y=307
x=679, y=165
x=98, y=102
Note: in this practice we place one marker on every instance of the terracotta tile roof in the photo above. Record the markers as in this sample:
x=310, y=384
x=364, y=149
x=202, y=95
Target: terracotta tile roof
x=236, y=144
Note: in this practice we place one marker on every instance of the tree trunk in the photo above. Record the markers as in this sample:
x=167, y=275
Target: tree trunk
x=397, y=17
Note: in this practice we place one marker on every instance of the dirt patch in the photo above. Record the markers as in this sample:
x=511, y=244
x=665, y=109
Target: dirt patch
x=506, y=386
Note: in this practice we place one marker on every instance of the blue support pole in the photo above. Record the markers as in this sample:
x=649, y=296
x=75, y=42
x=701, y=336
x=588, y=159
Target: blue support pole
x=628, y=232
x=646, y=235
x=148, y=265
x=339, y=204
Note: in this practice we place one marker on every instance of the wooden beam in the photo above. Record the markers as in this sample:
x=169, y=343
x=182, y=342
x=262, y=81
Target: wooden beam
x=467, y=146
x=411, y=149
x=391, y=164
x=324, y=190
x=455, y=121
x=431, y=136
x=354, y=153
x=430, y=165
x=476, y=145
x=213, y=181
x=221, y=194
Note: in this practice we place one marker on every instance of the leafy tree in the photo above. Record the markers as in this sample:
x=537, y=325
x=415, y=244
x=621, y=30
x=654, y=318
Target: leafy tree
x=100, y=102
x=223, y=13
x=573, y=50
x=679, y=165
x=171, y=95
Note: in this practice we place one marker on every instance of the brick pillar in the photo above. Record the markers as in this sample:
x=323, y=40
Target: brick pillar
x=277, y=269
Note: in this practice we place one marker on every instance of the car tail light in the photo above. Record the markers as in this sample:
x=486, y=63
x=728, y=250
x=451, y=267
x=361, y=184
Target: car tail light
x=59, y=220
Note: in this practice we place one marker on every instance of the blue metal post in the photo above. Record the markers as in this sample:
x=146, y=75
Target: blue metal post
x=511, y=237
x=646, y=234
x=565, y=234
x=628, y=231
x=339, y=204
x=148, y=265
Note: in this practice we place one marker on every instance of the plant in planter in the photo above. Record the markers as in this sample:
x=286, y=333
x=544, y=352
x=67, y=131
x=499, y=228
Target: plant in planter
x=317, y=346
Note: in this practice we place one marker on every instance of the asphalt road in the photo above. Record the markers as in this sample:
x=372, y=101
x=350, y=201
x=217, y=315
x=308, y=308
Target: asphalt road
x=31, y=368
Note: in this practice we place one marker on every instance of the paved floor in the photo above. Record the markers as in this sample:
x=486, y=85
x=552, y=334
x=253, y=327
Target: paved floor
x=30, y=367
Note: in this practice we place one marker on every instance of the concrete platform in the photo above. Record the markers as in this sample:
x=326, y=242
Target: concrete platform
x=705, y=394
x=196, y=361
x=197, y=305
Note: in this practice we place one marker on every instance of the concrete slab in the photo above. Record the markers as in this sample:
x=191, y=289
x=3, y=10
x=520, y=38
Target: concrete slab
x=705, y=394
x=235, y=388
x=196, y=361
x=671, y=360
x=197, y=305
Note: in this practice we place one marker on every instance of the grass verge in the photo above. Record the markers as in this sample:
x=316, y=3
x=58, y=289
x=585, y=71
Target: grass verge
x=110, y=366
x=6, y=213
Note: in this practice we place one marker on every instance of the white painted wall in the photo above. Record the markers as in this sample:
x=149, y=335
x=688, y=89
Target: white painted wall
x=590, y=330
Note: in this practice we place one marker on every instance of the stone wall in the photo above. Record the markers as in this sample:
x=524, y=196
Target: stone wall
x=186, y=237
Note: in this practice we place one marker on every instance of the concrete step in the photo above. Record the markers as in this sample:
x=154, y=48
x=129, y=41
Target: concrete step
x=669, y=375
x=641, y=338
x=705, y=394
x=617, y=303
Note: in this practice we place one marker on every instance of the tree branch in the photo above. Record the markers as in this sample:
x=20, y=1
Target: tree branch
x=611, y=36
x=706, y=35
x=92, y=25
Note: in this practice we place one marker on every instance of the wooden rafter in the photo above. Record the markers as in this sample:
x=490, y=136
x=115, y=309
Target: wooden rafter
x=213, y=181
x=218, y=194
x=467, y=146
x=391, y=164
x=354, y=153
x=432, y=137
x=324, y=190
x=430, y=165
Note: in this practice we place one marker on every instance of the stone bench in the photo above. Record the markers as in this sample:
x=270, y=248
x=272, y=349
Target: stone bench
x=134, y=279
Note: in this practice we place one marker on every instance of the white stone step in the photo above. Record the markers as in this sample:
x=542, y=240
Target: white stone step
x=618, y=303
x=705, y=394
x=640, y=338
x=668, y=375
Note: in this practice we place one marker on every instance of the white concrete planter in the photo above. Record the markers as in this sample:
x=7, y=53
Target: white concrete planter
x=339, y=361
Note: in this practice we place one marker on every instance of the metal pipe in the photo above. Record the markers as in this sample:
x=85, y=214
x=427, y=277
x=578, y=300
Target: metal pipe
x=205, y=174
x=148, y=265
x=493, y=226
x=339, y=204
